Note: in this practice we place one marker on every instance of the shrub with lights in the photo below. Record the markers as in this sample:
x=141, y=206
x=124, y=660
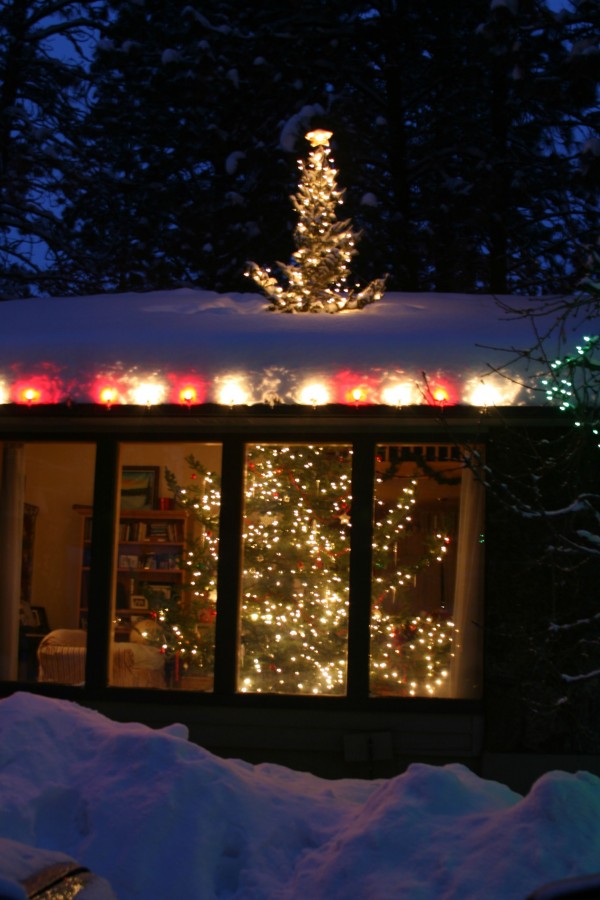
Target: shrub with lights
x=573, y=383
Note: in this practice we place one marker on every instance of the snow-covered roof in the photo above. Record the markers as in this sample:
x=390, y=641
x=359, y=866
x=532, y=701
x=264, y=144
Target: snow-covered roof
x=229, y=348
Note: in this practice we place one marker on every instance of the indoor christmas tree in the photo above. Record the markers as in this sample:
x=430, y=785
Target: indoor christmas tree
x=318, y=274
x=294, y=605
x=295, y=582
x=410, y=652
x=294, y=608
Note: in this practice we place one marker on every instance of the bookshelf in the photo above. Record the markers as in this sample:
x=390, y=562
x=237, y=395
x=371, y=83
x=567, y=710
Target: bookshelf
x=150, y=546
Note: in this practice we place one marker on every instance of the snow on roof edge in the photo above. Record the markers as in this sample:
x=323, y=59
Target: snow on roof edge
x=229, y=348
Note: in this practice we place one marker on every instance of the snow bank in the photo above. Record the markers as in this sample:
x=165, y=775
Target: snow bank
x=158, y=816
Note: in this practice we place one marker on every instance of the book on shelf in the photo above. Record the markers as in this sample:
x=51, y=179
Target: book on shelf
x=153, y=561
x=140, y=531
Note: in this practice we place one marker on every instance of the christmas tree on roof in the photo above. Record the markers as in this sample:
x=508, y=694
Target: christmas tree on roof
x=317, y=277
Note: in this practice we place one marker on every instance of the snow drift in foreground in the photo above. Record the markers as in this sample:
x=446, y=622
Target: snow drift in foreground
x=158, y=816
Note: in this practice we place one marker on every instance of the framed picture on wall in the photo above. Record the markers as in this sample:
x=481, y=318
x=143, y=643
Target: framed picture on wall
x=139, y=487
x=137, y=601
x=39, y=620
x=160, y=593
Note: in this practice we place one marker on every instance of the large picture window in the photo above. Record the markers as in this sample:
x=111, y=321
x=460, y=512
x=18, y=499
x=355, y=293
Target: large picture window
x=427, y=574
x=296, y=553
x=343, y=570
x=40, y=559
x=164, y=603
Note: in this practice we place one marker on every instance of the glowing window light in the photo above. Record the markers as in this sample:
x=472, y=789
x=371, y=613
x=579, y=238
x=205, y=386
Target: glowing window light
x=148, y=393
x=314, y=394
x=232, y=393
x=401, y=394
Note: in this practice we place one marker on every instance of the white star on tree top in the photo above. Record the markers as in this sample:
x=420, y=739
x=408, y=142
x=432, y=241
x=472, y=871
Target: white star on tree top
x=319, y=137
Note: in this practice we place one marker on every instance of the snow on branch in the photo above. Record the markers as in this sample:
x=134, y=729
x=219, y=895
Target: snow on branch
x=568, y=626
x=585, y=676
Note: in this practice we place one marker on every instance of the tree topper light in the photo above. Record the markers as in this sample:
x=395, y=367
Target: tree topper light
x=319, y=137
x=320, y=266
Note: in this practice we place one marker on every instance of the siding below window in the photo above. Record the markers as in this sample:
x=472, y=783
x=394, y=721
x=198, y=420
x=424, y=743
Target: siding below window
x=345, y=744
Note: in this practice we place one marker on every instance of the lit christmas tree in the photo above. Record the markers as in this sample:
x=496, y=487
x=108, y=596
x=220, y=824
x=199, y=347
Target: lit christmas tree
x=318, y=274
x=410, y=654
x=295, y=583
x=294, y=607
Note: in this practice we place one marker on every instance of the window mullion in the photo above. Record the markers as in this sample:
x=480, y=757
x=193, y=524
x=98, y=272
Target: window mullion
x=229, y=575
x=102, y=560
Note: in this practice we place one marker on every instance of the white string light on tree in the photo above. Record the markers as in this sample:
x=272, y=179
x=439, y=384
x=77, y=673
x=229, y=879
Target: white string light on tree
x=317, y=277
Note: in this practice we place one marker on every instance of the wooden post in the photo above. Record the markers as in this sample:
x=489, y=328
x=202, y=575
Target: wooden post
x=12, y=507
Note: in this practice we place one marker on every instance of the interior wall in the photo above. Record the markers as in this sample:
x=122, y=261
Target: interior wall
x=171, y=456
x=58, y=476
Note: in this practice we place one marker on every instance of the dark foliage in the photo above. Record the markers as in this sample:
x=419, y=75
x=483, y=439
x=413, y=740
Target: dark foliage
x=467, y=140
x=542, y=619
x=43, y=97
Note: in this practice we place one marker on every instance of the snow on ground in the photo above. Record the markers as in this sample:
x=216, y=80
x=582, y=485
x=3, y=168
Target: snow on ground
x=160, y=817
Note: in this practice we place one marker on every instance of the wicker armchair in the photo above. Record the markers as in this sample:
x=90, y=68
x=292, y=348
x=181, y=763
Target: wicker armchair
x=61, y=658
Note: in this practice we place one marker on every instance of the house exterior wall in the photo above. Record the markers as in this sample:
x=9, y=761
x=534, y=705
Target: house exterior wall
x=356, y=735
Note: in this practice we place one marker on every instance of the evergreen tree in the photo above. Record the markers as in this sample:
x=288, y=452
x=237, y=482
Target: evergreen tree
x=188, y=143
x=467, y=138
x=43, y=95
x=294, y=611
x=318, y=274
